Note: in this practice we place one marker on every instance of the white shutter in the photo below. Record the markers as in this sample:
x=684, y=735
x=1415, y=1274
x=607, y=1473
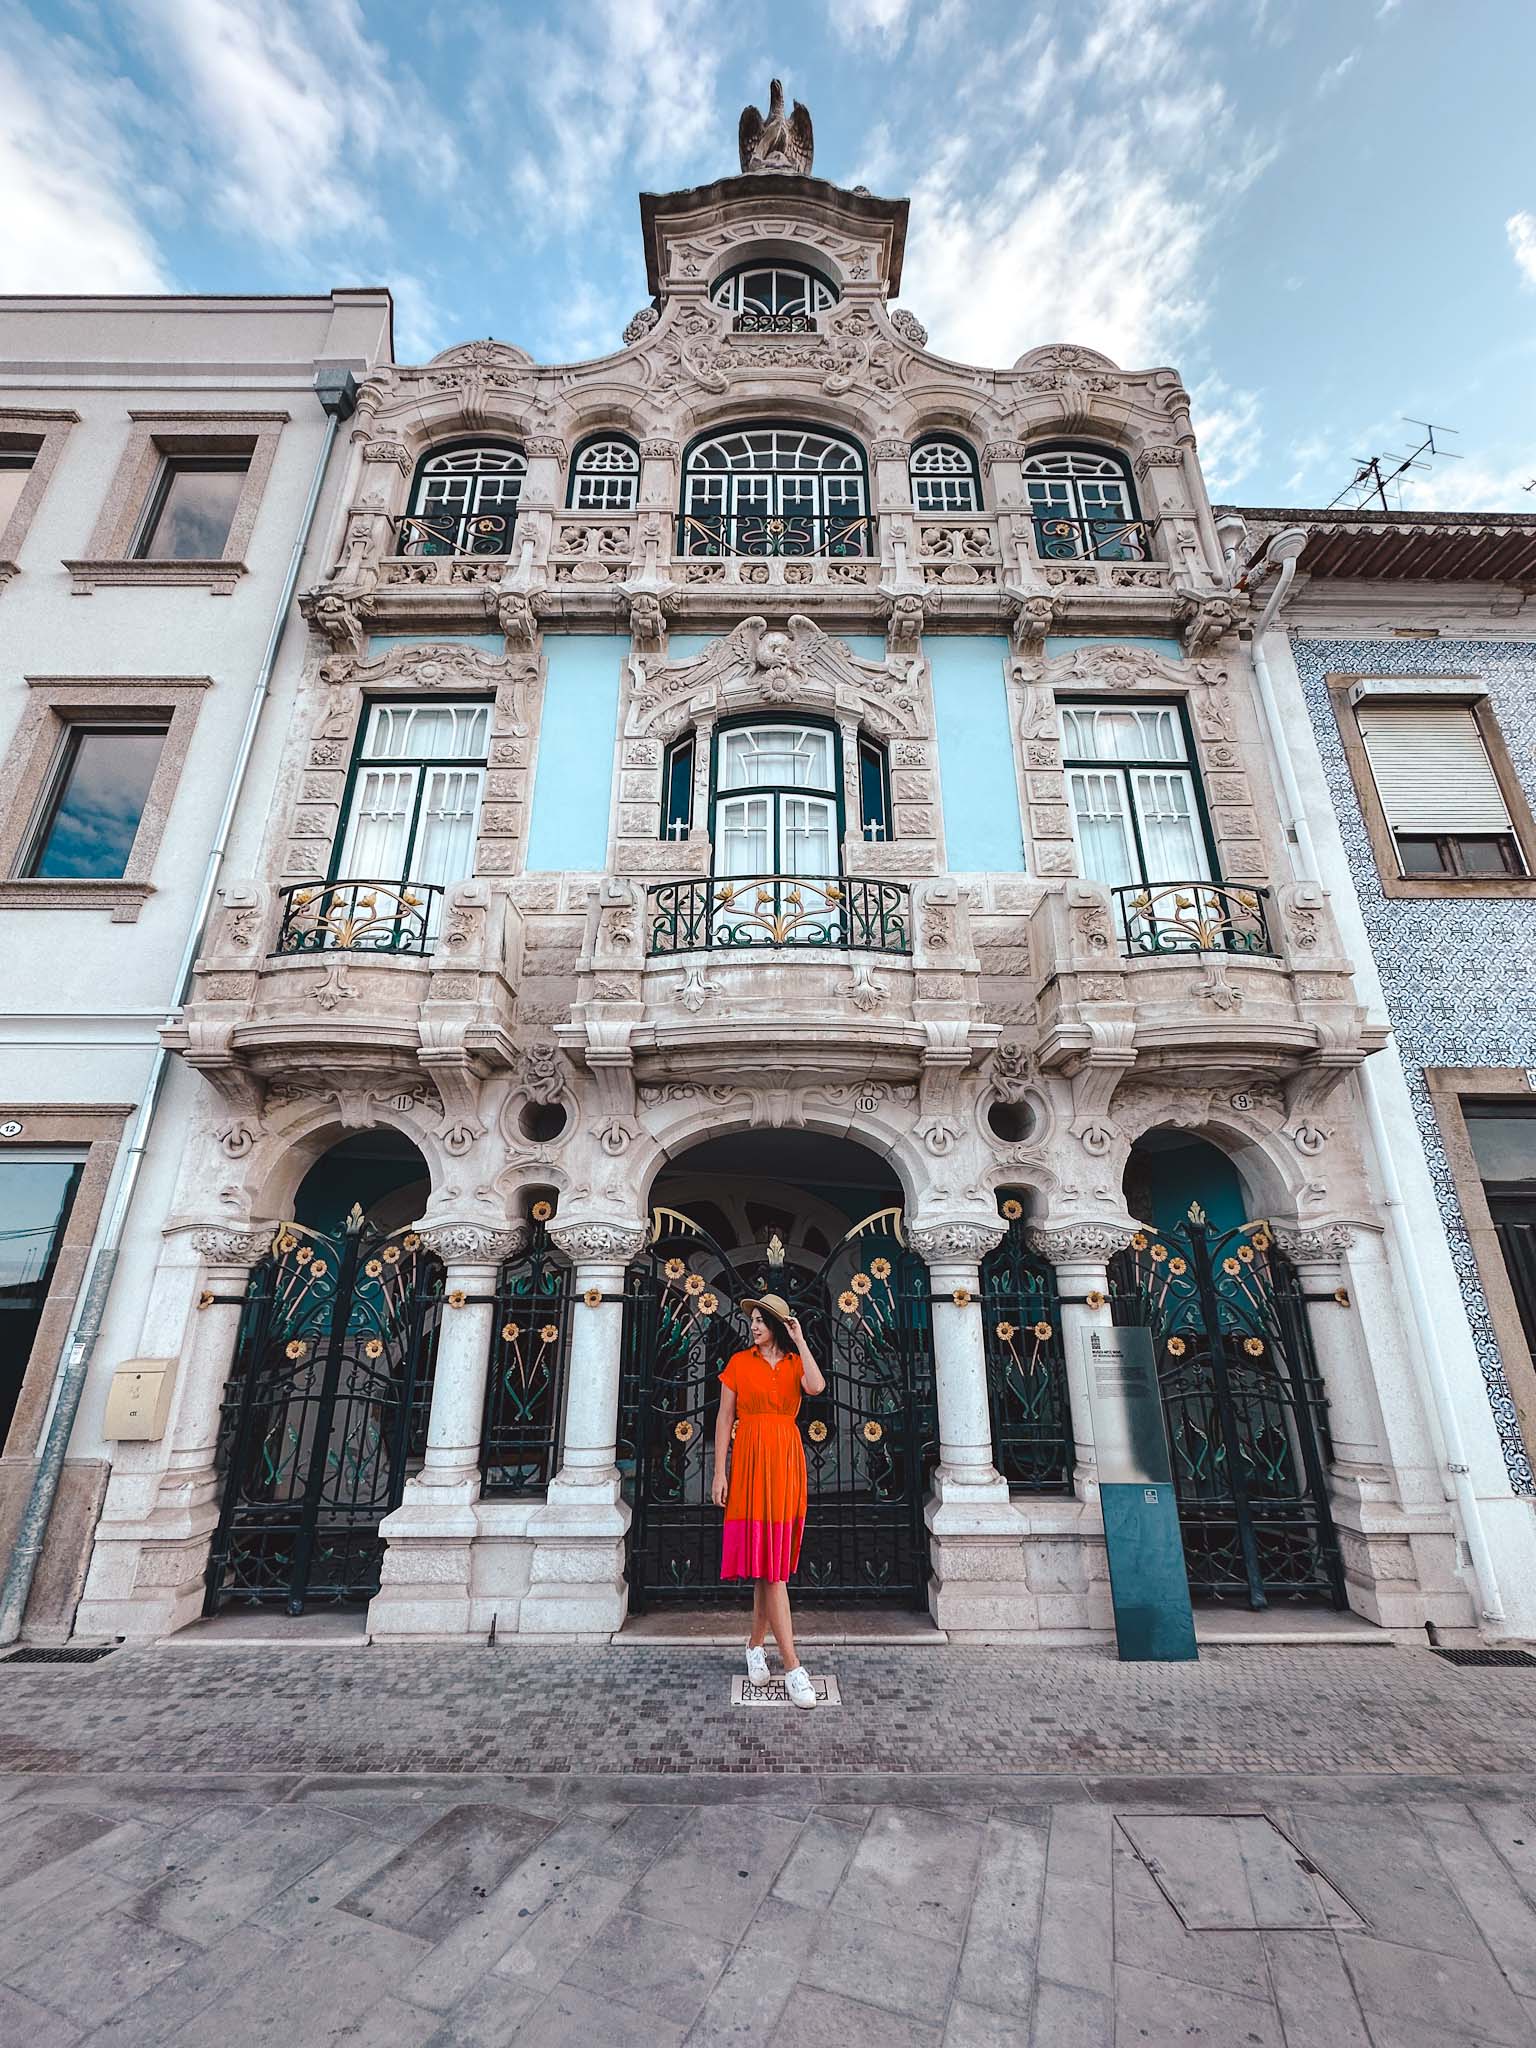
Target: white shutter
x=1432, y=770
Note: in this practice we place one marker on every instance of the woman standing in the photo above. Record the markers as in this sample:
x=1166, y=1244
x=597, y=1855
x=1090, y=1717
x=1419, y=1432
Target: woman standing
x=764, y=1500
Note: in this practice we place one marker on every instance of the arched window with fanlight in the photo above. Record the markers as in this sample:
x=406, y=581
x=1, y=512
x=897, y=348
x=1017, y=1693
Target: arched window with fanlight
x=1084, y=505
x=464, y=500
x=774, y=298
x=775, y=490
x=605, y=475
x=944, y=475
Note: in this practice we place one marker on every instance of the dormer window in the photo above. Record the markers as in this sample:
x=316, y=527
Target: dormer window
x=1084, y=505
x=605, y=475
x=464, y=500
x=944, y=476
x=774, y=298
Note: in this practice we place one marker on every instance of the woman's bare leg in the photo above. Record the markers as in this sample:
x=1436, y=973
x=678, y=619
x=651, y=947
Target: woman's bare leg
x=759, y=1612
x=776, y=1595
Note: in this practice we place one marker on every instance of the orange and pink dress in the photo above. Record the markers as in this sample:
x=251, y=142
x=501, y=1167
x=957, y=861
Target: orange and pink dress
x=765, y=1505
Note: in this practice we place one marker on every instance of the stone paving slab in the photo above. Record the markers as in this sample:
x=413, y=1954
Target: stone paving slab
x=660, y=1711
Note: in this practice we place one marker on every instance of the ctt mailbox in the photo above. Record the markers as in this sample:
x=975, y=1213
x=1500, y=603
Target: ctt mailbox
x=1149, y=1584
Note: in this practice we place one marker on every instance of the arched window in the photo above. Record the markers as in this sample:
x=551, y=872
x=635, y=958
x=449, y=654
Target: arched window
x=605, y=475
x=464, y=500
x=944, y=476
x=774, y=298
x=772, y=490
x=1084, y=505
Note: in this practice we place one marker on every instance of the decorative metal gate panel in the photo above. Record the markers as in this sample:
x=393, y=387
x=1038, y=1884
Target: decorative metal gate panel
x=870, y=1440
x=525, y=1389
x=1032, y=1442
x=324, y=1414
x=1244, y=1402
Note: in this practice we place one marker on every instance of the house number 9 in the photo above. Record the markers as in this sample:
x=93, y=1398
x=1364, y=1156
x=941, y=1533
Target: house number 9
x=1241, y=1101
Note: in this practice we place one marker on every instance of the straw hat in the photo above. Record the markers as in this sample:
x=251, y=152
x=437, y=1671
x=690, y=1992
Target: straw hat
x=775, y=1304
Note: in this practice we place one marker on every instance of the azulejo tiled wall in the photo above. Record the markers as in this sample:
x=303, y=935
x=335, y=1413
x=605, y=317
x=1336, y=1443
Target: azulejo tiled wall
x=1457, y=974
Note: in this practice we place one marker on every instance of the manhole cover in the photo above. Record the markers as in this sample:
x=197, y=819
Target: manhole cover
x=1500, y=1657
x=1226, y=1872
x=745, y=1694
x=64, y=1655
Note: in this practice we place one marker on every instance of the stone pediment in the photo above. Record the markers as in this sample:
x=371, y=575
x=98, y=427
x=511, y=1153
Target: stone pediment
x=796, y=668
x=1120, y=668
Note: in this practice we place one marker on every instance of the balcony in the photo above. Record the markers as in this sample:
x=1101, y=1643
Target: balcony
x=1192, y=917
x=788, y=549
x=359, y=917
x=1098, y=554
x=420, y=534
x=729, y=914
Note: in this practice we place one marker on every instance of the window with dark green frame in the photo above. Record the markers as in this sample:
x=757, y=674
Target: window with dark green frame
x=1138, y=812
x=874, y=790
x=677, y=790
x=413, y=797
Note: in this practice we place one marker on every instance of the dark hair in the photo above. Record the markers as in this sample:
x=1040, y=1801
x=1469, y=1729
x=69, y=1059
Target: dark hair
x=778, y=1330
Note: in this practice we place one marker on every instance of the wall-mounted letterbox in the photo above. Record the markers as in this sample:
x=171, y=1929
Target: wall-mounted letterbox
x=139, y=1400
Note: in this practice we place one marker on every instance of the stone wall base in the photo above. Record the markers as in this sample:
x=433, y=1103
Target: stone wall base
x=1019, y=1568
x=1401, y=1567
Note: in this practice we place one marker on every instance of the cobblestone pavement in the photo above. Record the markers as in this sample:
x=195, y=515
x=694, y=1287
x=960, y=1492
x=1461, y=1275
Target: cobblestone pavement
x=462, y=1849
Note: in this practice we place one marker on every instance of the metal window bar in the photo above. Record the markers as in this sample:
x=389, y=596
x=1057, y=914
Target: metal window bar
x=525, y=1389
x=774, y=323
x=359, y=917
x=1093, y=540
x=830, y=536
x=1192, y=917
x=734, y=911
x=1032, y=1442
x=453, y=533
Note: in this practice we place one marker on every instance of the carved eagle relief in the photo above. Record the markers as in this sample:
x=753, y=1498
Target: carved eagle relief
x=777, y=143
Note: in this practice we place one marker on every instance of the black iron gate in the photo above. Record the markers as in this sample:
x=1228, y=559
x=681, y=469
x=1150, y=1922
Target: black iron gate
x=1244, y=1402
x=1032, y=1442
x=870, y=1440
x=324, y=1414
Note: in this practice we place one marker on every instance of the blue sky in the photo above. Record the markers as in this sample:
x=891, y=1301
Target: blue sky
x=1322, y=211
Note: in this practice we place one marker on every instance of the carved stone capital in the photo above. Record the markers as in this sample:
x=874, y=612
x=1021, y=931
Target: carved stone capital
x=1158, y=455
x=892, y=451
x=1078, y=1241
x=223, y=1247
x=599, y=1243
x=662, y=451
x=546, y=446
x=388, y=451
x=474, y=1244
x=1325, y=1245
x=1002, y=451
x=938, y=1243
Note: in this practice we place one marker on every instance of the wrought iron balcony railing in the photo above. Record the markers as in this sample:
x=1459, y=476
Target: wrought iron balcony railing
x=452, y=533
x=359, y=917
x=820, y=914
x=1192, y=917
x=1094, y=540
x=776, y=533
x=774, y=323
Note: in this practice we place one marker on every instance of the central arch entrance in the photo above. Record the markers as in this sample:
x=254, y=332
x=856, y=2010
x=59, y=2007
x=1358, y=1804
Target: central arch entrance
x=817, y=1220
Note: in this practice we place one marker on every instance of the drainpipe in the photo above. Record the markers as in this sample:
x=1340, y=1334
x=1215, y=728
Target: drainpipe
x=336, y=390
x=1284, y=549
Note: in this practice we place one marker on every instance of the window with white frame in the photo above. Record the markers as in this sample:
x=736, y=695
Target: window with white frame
x=413, y=808
x=1083, y=504
x=1443, y=804
x=464, y=501
x=944, y=476
x=605, y=476
x=775, y=491
x=777, y=800
x=1133, y=792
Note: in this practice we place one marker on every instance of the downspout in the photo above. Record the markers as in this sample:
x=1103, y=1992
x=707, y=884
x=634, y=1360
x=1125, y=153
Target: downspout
x=1284, y=548
x=336, y=390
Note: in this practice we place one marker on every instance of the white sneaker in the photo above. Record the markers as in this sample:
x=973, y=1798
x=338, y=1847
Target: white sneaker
x=757, y=1664
x=798, y=1685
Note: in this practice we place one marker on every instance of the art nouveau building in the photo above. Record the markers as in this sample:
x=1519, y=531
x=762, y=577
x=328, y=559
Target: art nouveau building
x=772, y=802
x=159, y=461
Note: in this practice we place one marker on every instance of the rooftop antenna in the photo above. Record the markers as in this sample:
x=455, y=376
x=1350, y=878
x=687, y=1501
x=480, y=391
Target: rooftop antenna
x=1375, y=475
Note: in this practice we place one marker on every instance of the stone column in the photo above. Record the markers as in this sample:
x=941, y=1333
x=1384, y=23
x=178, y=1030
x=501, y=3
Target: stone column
x=146, y=1575
x=1339, y=1344
x=976, y=1541
x=577, y=1585
x=1080, y=1254
x=425, y=1579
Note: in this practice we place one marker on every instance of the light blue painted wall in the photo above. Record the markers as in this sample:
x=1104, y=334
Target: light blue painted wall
x=982, y=827
x=573, y=783
x=487, y=643
x=1068, y=643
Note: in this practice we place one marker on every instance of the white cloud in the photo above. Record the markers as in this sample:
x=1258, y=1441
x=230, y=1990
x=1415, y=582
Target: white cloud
x=1471, y=486
x=1335, y=75
x=293, y=112
x=860, y=20
x=1521, y=230
x=1228, y=428
x=423, y=325
x=66, y=168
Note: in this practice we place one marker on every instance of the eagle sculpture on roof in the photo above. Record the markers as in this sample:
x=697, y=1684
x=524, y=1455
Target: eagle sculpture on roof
x=776, y=144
